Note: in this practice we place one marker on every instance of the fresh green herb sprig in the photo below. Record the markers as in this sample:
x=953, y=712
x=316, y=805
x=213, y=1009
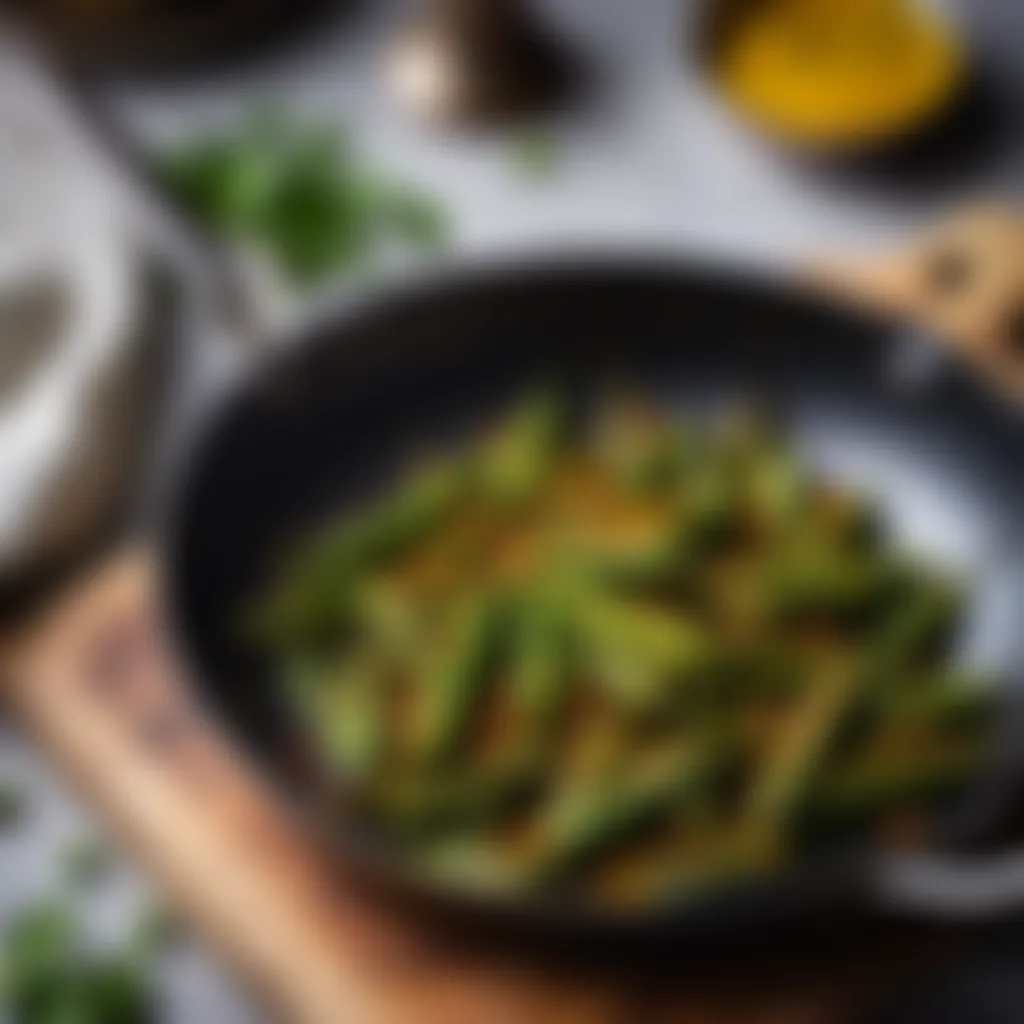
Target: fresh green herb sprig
x=46, y=976
x=299, y=194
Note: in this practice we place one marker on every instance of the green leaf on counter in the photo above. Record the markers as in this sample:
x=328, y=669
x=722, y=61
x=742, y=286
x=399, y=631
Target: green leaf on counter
x=299, y=194
x=46, y=976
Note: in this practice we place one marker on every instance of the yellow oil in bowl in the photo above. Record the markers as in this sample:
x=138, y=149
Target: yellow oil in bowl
x=838, y=74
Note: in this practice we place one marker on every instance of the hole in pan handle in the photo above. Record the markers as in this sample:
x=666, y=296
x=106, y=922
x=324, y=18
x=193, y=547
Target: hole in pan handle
x=960, y=282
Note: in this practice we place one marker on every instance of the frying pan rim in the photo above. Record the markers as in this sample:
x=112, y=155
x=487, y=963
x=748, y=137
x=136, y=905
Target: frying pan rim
x=864, y=870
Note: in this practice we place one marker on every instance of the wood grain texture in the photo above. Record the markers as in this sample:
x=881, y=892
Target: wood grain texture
x=93, y=680
x=962, y=280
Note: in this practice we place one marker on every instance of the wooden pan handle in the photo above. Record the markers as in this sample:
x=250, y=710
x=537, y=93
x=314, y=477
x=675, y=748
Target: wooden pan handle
x=962, y=280
x=94, y=683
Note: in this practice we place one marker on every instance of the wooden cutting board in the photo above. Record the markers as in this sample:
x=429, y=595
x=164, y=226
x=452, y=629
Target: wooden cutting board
x=93, y=678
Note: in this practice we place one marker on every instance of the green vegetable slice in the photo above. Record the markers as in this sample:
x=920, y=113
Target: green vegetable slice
x=516, y=458
x=453, y=684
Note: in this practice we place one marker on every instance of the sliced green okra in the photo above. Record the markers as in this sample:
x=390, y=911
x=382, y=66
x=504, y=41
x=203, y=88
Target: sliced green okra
x=453, y=683
x=671, y=560
x=305, y=609
x=916, y=627
x=668, y=559
x=391, y=615
x=467, y=800
x=782, y=787
x=638, y=652
x=415, y=508
x=585, y=823
x=654, y=562
x=778, y=488
x=944, y=702
x=471, y=864
x=643, y=453
x=316, y=597
x=859, y=792
x=588, y=823
x=345, y=708
x=820, y=583
x=766, y=670
x=539, y=660
x=617, y=615
x=515, y=461
x=713, y=500
x=846, y=520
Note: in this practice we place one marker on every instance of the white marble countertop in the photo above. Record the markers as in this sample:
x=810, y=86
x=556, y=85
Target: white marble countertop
x=647, y=156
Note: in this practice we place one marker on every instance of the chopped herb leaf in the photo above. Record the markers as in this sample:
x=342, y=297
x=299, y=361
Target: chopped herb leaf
x=48, y=976
x=298, y=194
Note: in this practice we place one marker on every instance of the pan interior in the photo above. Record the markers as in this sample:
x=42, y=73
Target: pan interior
x=327, y=422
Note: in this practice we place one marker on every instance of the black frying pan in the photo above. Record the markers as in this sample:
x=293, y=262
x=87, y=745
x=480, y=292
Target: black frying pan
x=329, y=416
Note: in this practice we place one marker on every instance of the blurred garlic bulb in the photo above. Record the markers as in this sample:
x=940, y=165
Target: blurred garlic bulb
x=474, y=61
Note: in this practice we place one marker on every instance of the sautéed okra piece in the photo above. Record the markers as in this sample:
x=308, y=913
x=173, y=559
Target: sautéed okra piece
x=626, y=661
